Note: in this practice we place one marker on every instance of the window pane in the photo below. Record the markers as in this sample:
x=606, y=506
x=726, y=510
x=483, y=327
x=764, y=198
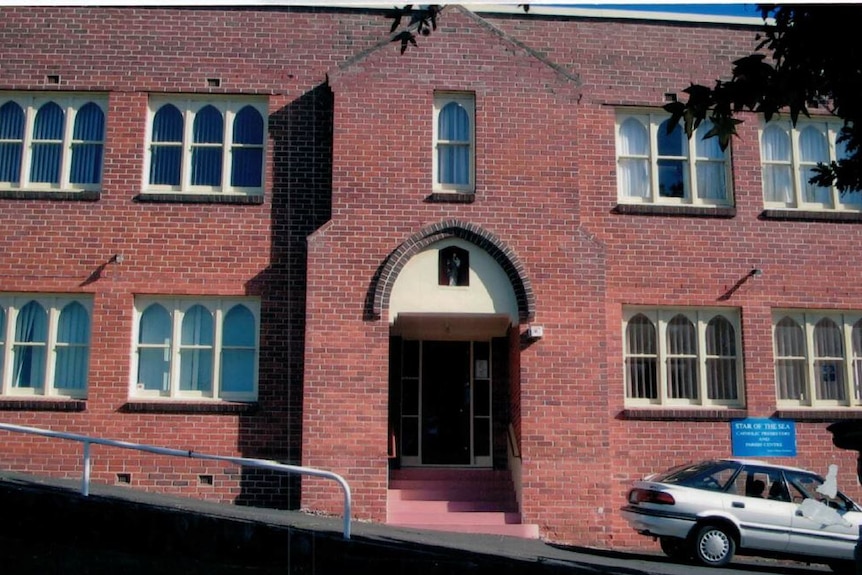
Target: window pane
x=673, y=144
x=828, y=360
x=247, y=160
x=87, y=145
x=454, y=164
x=248, y=127
x=31, y=332
x=671, y=178
x=790, y=365
x=721, y=359
x=812, y=150
x=2, y=342
x=47, y=144
x=857, y=359
x=11, y=141
x=207, y=160
x=634, y=178
x=196, y=354
x=641, y=358
x=154, y=359
x=777, y=171
x=166, y=148
x=454, y=123
x=73, y=338
x=682, y=358
x=238, y=350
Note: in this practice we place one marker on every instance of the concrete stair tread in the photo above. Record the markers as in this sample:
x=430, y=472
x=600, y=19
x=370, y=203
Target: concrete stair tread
x=523, y=530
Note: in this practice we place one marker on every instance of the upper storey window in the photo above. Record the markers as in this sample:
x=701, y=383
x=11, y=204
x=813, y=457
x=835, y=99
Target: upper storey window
x=788, y=157
x=657, y=167
x=204, y=146
x=51, y=142
x=454, y=142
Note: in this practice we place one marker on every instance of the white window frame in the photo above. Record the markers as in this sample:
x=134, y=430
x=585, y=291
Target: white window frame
x=808, y=320
x=700, y=318
x=53, y=305
x=70, y=104
x=466, y=100
x=188, y=106
x=652, y=122
x=830, y=129
x=176, y=308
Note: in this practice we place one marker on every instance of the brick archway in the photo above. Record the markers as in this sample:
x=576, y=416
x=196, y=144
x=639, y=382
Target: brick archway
x=483, y=239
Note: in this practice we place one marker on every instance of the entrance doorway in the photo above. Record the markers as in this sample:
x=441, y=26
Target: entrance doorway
x=445, y=403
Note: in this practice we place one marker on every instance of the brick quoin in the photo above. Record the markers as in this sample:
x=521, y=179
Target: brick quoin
x=348, y=190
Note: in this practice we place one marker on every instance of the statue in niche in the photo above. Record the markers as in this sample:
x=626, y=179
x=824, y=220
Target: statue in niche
x=454, y=267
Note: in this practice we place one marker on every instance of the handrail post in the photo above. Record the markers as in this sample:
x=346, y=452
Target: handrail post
x=85, y=479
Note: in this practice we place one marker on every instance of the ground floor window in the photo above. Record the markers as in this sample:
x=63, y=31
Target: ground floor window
x=44, y=345
x=818, y=358
x=682, y=357
x=188, y=348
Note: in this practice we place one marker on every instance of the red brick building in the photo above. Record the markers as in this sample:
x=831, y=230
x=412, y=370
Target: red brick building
x=266, y=232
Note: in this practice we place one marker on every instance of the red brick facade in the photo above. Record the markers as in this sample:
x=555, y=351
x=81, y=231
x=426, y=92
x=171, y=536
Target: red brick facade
x=348, y=201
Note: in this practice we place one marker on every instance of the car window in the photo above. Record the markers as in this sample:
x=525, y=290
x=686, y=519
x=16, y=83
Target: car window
x=711, y=475
x=804, y=486
x=760, y=482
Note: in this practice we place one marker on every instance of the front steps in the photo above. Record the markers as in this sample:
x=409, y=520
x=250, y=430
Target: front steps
x=459, y=500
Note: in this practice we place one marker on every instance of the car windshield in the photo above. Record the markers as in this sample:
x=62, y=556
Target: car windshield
x=712, y=475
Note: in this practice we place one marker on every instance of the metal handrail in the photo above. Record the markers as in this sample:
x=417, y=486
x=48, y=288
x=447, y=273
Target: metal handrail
x=262, y=463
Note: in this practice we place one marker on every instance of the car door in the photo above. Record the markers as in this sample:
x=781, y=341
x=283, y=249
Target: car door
x=823, y=526
x=757, y=499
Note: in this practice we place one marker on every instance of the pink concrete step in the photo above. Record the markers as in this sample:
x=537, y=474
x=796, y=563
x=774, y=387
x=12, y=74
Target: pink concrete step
x=459, y=500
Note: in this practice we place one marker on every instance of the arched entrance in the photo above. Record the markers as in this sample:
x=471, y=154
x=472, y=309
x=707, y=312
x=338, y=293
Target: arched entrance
x=452, y=310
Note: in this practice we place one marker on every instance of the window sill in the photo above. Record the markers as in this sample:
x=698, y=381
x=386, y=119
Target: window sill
x=682, y=211
x=42, y=404
x=811, y=216
x=677, y=414
x=59, y=196
x=812, y=414
x=172, y=198
x=451, y=198
x=189, y=407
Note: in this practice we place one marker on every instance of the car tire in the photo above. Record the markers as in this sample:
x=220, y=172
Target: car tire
x=674, y=548
x=714, y=546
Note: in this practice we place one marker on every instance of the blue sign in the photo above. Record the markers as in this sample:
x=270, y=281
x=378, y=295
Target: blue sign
x=761, y=437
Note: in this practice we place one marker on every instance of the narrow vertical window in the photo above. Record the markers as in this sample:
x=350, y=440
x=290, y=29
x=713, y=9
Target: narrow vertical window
x=634, y=159
x=828, y=361
x=711, y=166
x=154, y=349
x=166, y=149
x=11, y=142
x=238, y=351
x=777, y=168
x=196, y=350
x=641, y=358
x=247, y=151
x=47, y=144
x=682, y=359
x=454, y=133
x=813, y=149
x=856, y=339
x=29, y=348
x=207, y=140
x=87, y=143
x=790, y=361
x=73, y=342
x=721, y=365
x=672, y=162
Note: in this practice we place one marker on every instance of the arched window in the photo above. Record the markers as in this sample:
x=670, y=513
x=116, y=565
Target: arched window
x=721, y=367
x=73, y=343
x=87, y=143
x=11, y=141
x=813, y=149
x=634, y=159
x=154, y=349
x=454, y=133
x=238, y=351
x=207, y=141
x=29, y=348
x=166, y=150
x=682, y=358
x=641, y=358
x=47, y=144
x=790, y=360
x=672, y=161
x=247, y=151
x=828, y=361
x=196, y=350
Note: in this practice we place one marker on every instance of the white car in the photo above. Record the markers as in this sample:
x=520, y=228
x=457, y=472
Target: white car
x=711, y=510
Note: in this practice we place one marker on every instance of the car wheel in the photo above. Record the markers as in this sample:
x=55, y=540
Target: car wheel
x=674, y=548
x=714, y=546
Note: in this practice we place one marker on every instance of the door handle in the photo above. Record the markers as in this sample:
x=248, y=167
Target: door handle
x=738, y=504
